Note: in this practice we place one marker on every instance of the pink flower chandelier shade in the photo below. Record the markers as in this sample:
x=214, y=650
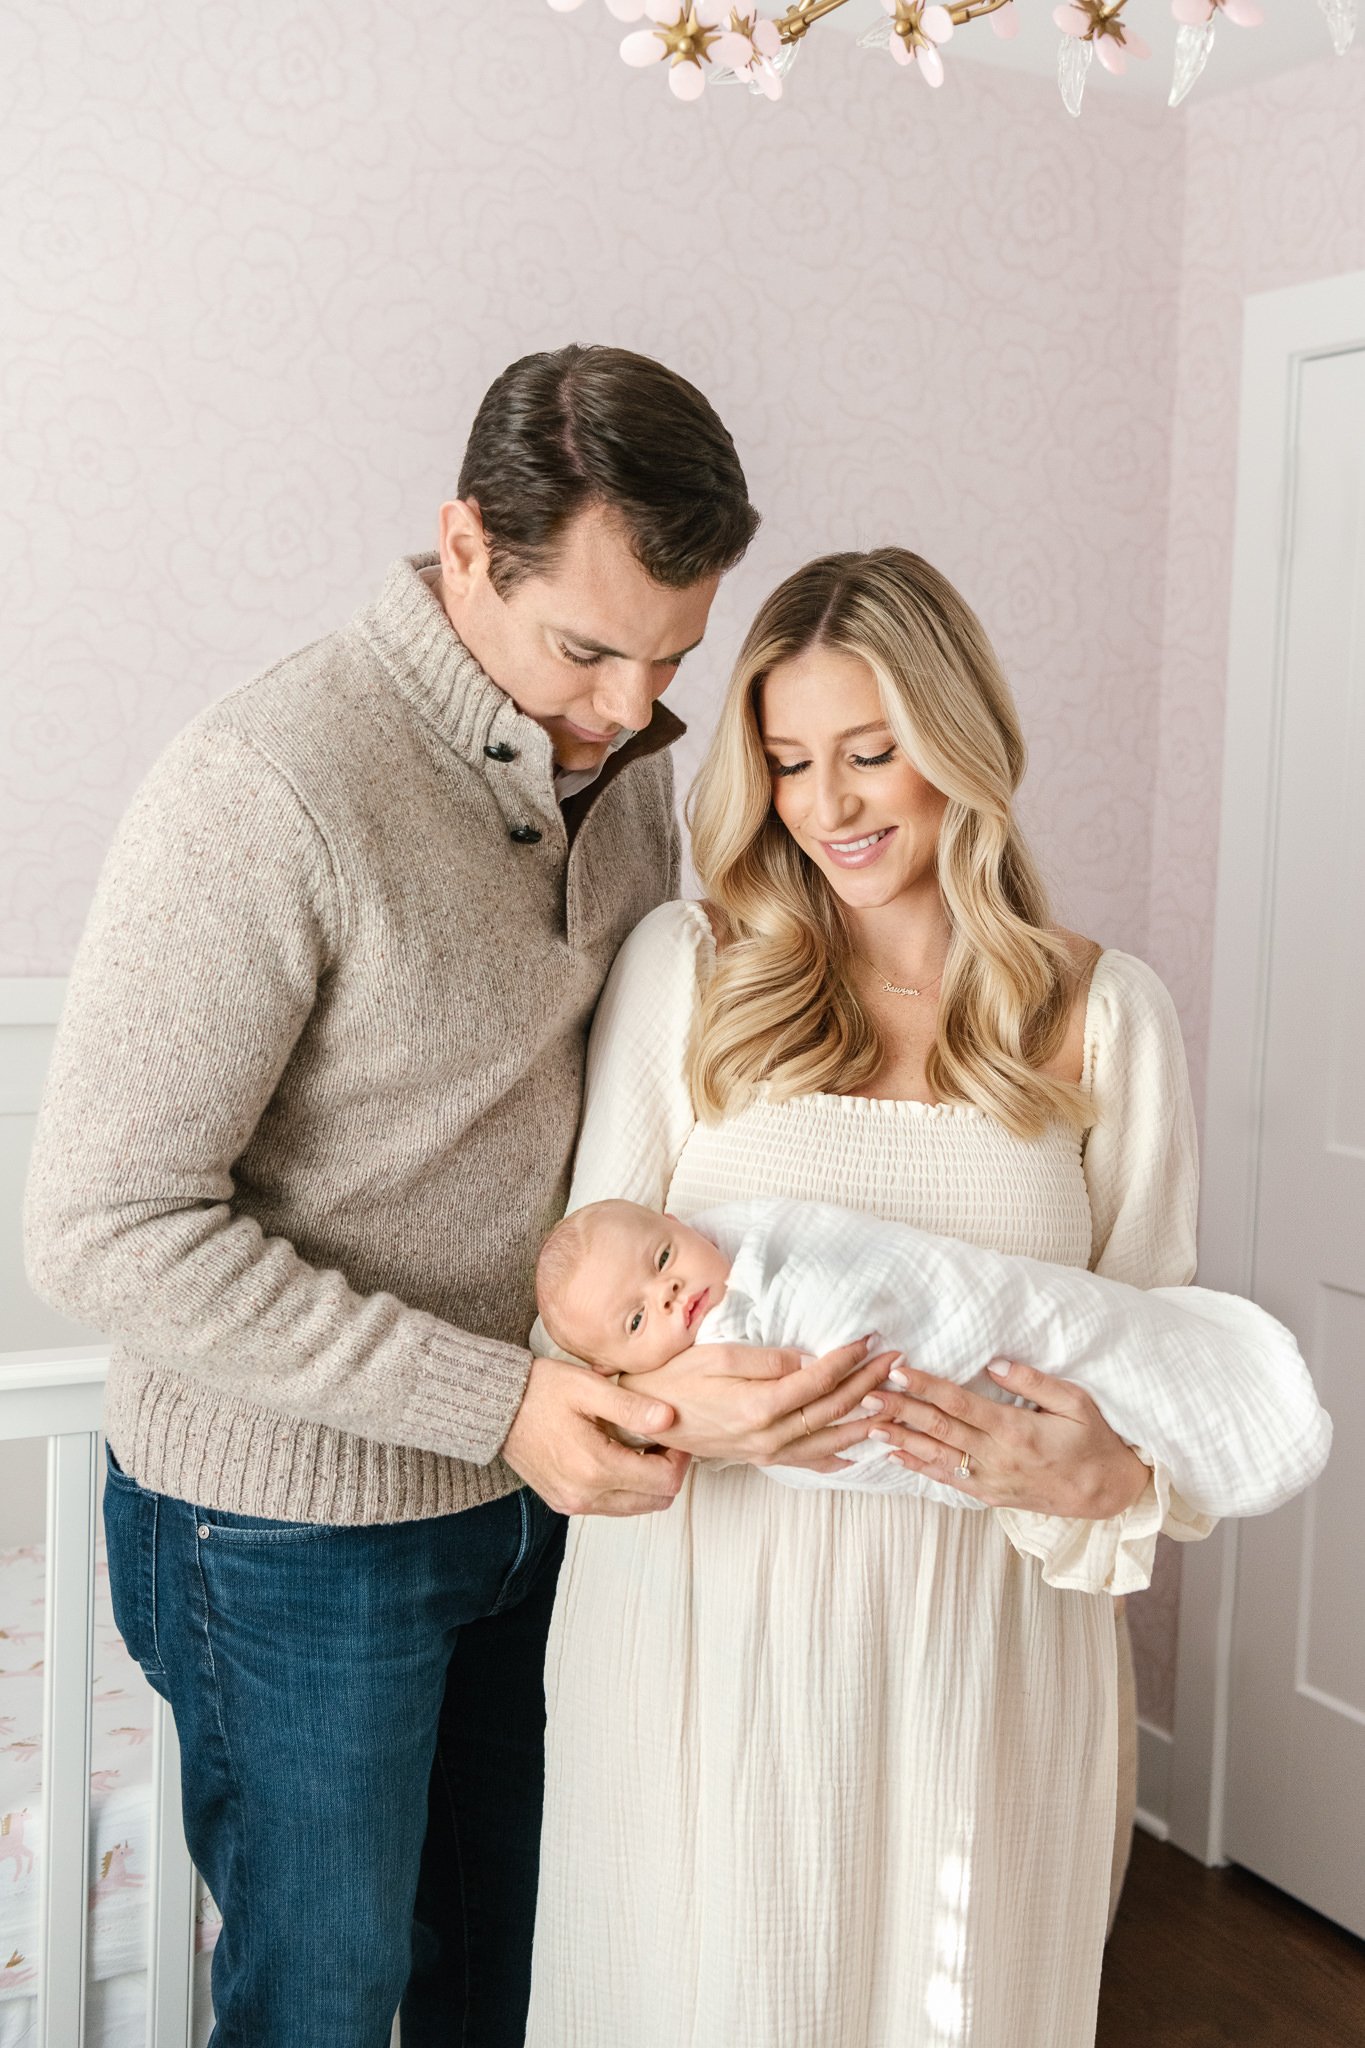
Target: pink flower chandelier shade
x=1090, y=21
x=751, y=50
x=735, y=42
x=732, y=43
x=916, y=32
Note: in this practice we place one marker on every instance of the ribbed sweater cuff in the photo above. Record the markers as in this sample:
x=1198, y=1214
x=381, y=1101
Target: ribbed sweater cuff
x=179, y=1436
x=465, y=1402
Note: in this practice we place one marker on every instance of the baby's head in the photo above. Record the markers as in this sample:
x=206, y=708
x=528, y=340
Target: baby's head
x=626, y=1288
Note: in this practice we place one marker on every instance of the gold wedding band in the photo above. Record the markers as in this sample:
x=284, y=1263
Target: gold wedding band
x=805, y=1425
x=964, y=1470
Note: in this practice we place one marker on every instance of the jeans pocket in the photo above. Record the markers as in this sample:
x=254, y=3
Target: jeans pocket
x=245, y=1530
x=540, y=1529
x=131, y=1517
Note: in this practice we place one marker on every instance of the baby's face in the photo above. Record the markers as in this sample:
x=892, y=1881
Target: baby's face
x=641, y=1289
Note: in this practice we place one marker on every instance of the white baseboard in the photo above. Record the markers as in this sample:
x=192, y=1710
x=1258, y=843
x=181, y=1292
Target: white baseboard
x=1155, y=1747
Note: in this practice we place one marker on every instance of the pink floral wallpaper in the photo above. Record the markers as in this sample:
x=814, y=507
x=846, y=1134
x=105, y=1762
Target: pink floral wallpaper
x=265, y=255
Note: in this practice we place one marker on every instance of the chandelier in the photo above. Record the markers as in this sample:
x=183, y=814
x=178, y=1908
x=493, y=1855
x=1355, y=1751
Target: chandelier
x=733, y=42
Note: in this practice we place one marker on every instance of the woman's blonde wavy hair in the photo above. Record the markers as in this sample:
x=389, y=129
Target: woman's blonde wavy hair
x=779, y=1012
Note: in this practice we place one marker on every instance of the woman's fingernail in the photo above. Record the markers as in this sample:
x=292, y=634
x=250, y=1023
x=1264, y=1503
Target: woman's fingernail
x=878, y=1436
x=896, y=1378
x=656, y=1416
x=876, y=1342
x=872, y=1406
x=998, y=1372
x=807, y=1357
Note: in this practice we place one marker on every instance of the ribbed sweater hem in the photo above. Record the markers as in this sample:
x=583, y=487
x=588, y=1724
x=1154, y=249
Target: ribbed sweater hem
x=175, y=1436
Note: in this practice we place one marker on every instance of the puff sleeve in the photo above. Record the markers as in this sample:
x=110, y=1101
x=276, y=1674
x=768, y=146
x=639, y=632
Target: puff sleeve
x=1142, y=1175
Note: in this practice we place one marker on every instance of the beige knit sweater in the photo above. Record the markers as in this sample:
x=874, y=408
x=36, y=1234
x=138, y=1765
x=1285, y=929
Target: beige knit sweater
x=315, y=1090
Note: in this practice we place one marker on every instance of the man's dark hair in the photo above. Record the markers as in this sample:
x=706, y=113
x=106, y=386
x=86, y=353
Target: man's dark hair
x=575, y=427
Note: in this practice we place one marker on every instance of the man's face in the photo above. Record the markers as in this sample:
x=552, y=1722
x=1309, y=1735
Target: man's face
x=585, y=647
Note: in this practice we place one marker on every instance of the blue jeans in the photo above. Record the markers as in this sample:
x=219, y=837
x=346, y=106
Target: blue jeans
x=361, y=1717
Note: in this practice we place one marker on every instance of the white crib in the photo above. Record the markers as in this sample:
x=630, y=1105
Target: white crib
x=57, y=1396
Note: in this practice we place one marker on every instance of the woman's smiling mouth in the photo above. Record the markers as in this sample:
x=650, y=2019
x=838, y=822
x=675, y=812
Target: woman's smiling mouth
x=858, y=853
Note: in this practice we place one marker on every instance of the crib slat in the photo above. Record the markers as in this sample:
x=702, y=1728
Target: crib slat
x=170, y=1965
x=67, y=1665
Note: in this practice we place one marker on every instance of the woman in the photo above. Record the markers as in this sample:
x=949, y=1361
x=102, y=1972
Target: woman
x=835, y=1770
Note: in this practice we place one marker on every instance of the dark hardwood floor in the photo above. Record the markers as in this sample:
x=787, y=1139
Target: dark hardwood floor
x=1217, y=1959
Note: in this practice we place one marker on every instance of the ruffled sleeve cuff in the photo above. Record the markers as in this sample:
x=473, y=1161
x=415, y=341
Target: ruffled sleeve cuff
x=1113, y=1556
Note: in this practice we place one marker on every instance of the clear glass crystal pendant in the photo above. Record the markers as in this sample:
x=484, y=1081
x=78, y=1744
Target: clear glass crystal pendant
x=721, y=74
x=1073, y=62
x=1192, y=46
x=878, y=37
x=1341, y=22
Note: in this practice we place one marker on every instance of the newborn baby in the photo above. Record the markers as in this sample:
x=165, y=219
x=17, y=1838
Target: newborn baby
x=1208, y=1385
x=626, y=1288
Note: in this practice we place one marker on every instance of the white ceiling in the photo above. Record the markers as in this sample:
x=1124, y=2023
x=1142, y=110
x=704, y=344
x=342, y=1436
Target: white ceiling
x=1294, y=32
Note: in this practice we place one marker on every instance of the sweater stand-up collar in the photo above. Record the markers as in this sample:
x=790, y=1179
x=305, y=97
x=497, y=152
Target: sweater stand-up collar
x=434, y=670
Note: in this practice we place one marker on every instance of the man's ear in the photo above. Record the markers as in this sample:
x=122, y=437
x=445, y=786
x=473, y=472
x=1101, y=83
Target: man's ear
x=464, y=546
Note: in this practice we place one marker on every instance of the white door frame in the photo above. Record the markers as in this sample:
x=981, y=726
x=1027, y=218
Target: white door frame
x=1283, y=329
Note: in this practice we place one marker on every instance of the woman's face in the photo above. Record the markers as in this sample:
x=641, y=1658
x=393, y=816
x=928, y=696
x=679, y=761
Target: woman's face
x=841, y=785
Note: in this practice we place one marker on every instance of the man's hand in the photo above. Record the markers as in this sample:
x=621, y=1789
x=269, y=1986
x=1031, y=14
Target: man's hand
x=559, y=1445
x=742, y=1401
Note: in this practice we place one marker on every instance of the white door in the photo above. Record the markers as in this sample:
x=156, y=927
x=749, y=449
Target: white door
x=1296, y=1759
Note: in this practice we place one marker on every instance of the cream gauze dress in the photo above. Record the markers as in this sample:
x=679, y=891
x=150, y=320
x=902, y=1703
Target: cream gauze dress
x=837, y=1770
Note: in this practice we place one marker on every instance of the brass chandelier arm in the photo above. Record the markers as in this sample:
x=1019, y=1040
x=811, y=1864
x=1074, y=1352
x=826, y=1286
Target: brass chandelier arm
x=792, y=25
x=973, y=10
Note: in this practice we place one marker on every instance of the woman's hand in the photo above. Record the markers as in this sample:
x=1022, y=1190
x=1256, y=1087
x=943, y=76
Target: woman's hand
x=1059, y=1457
x=762, y=1407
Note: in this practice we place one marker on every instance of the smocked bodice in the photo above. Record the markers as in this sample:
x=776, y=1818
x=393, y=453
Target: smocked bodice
x=944, y=1167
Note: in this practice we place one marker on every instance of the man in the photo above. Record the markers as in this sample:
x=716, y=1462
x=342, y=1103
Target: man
x=311, y=1109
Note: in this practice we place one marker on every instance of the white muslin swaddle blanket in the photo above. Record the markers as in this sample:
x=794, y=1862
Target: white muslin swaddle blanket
x=1206, y=1384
